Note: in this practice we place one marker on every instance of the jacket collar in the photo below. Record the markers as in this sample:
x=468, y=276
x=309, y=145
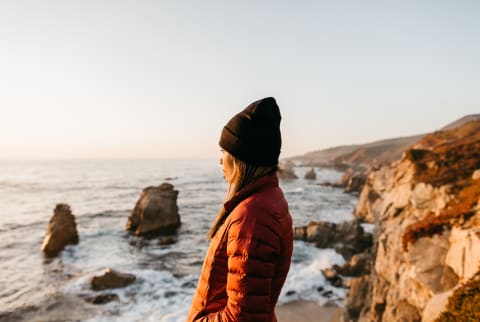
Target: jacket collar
x=249, y=189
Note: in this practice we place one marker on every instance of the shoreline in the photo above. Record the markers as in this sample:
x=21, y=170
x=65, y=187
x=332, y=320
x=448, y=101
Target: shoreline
x=307, y=311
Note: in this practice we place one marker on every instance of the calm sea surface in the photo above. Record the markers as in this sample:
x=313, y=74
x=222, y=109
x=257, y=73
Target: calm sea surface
x=101, y=195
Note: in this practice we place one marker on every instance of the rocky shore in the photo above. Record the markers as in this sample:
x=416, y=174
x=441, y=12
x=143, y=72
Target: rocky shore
x=426, y=210
x=423, y=262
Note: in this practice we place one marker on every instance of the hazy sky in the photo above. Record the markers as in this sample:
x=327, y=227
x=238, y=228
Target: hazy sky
x=133, y=79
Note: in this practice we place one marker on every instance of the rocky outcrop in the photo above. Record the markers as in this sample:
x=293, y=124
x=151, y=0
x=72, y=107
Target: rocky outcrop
x=426, y=208
x=111, y=279
x=355, y=182
x=61, y=231
x=155, y=212
x=285, y=170
x=311, y=174
x=358, y=265
x=352, y=181
x=347, y=238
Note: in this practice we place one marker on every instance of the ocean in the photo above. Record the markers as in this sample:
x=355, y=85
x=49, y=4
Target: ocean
x=101, y=194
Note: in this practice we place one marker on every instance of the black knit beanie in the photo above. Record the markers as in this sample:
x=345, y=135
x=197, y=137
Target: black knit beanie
x=253, y=135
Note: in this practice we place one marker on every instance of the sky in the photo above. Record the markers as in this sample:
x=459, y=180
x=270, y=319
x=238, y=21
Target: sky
x=159, y=79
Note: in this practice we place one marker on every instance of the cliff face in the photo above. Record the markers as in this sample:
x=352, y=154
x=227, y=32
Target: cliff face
x=426, y=208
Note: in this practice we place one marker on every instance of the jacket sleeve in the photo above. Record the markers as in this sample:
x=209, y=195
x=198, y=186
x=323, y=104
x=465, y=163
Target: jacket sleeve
x=253, y=249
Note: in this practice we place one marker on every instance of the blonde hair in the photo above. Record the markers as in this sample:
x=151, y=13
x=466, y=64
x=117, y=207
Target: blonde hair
x=242, y=174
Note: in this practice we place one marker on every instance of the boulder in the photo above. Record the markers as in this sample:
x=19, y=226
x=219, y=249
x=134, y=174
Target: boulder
x=155, y=212
x=285, y=170
x=347, y=238
x=61, y=231
x=331, y=275
x=311, y=174
x=111, y=279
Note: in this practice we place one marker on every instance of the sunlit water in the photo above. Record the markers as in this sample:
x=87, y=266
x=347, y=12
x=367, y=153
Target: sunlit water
x=101, y=194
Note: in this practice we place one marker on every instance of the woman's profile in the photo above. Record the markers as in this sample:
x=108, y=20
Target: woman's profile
x=251, y=239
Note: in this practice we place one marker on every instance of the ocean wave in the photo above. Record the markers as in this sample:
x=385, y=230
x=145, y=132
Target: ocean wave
x=305, y=280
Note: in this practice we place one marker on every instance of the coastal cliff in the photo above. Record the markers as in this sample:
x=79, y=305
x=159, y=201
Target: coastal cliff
x=426, y=211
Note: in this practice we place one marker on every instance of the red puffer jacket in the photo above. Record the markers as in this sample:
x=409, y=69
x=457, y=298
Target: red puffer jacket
x=248, y=259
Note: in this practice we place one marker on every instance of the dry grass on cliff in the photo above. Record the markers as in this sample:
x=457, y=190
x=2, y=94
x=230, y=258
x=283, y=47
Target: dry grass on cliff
x=432, y=140
x=463, y=305
x=451, y=163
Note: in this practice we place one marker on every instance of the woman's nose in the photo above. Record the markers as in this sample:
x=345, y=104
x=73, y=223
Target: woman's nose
x=220, y=160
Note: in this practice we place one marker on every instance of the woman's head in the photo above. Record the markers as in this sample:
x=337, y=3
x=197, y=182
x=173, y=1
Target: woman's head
x=253, y=135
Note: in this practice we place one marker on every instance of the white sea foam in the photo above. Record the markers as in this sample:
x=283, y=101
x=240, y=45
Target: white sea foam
x=305, y=280
x=368, y=227
x=155, y=296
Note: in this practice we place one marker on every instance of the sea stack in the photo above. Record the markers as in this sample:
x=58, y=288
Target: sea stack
x=285, y=170
x=62, y=230
x=155, y=212
x=111, y=279
x=311, y=174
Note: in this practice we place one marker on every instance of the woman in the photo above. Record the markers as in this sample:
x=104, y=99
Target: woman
x=251, y=238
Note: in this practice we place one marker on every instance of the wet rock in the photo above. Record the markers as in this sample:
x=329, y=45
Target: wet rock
x=111, y=279
x=62, y=230
x=290, y=293
x=102, y=298
x=347, y=238
x=332, y=276
x=327, y=294
x=166, y=241
x=155, y=212
x=311, y=174
x=358, y=265
x=285, y=170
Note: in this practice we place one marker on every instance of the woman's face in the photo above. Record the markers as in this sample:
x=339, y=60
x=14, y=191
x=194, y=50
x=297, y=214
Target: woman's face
x=226, y=161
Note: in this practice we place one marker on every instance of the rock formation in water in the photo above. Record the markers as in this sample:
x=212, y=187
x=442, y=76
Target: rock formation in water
x=311, y=174
x=426, y=208
x=61, y=231
x=347, y=238
x=352, y=181
x=155, y=212
x=111, y=279
x=285, y=170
